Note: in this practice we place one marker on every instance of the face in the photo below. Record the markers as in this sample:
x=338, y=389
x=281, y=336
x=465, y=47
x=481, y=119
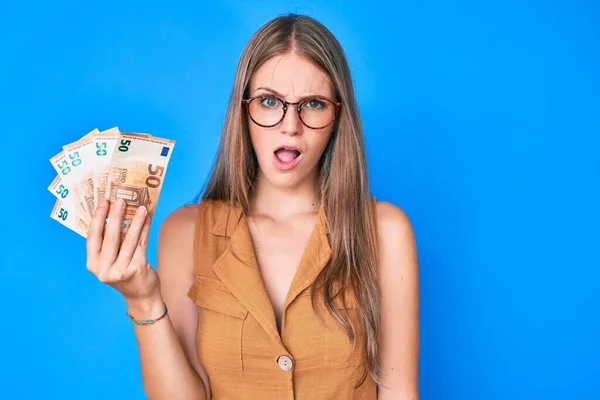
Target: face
x=288, y=152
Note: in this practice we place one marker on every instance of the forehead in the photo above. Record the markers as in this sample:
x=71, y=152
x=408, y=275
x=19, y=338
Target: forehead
x=293, y=76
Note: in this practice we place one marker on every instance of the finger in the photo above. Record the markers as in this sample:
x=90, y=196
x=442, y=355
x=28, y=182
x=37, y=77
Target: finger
x=139, y=256
x=112, y=232
x=94, y=234
x=132, y=237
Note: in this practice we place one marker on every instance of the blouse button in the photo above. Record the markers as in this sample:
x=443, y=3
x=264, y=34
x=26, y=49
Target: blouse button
x=285, y=363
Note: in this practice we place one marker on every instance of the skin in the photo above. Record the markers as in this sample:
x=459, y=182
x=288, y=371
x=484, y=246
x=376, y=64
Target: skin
x=172, y=370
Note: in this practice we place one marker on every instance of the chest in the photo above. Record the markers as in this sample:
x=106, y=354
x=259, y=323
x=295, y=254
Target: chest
x=279, y=248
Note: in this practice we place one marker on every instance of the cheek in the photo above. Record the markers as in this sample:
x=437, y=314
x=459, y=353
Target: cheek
x=259, y=139
x=318, y=142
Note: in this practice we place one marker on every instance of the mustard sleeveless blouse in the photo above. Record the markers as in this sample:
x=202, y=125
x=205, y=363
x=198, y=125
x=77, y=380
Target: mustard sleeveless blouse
x=237, y=340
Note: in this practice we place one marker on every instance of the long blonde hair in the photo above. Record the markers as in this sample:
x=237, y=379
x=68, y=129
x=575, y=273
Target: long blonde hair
x=342, y=171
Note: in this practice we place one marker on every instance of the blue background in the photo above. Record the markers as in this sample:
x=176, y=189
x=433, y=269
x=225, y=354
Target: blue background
x=482, y=122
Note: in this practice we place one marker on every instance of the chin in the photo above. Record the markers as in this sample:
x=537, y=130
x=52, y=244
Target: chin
x=283, y=181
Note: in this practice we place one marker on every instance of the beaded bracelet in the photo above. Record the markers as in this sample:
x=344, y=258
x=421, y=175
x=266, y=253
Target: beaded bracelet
x=140, y=322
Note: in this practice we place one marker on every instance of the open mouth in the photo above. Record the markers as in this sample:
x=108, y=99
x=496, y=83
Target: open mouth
x=286, y=158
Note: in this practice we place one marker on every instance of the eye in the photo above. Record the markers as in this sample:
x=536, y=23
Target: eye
x=314, y=104
x=270, y=102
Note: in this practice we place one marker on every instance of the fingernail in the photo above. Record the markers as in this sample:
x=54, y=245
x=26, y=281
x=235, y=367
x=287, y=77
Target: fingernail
x=141, y=210
x=120, y=203
x=102, y=203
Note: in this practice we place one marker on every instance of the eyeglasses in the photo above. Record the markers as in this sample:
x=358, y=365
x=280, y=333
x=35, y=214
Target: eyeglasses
x=315, y=112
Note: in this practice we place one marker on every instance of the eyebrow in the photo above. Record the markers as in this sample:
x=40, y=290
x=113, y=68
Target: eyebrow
x=275, y=92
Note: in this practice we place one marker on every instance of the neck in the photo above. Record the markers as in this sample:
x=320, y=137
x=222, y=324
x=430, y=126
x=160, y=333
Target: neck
x=284, y=203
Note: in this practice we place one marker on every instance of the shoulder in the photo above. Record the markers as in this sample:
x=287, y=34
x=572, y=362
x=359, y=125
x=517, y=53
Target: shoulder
x=183, y=220
x=180, y=228
x=180, y=222
x=392, y=222
x=397, y=245
x=176, y=239
x=182, y=215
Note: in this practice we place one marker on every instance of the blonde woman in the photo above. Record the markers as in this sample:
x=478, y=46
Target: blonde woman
x=286, y=280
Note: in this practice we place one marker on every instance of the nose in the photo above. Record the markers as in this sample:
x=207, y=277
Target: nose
x=291, y=124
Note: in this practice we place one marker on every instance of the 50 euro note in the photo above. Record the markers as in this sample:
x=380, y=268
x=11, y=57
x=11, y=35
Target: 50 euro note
x=104, y=143
x=71, y=165
x=64, y=212
x=137, y=172
x=60, y=189
x=81, y=178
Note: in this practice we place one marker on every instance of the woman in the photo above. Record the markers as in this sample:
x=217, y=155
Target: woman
x=287, y=280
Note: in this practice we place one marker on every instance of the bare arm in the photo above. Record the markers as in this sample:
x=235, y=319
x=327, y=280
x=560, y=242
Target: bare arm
x=399, y=337
x=170, y=366
x=170, y=369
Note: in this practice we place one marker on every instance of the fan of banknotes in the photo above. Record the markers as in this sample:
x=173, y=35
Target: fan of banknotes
x=108, y=164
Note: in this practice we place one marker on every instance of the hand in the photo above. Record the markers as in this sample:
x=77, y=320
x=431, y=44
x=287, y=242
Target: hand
x=122, y=264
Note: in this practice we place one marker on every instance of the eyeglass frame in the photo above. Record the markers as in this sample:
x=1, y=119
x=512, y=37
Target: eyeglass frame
x=285, y=104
